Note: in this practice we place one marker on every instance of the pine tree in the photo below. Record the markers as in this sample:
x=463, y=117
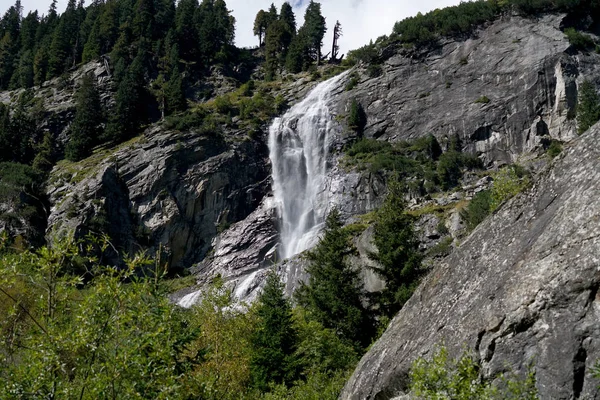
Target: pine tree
x=85, y=130
x=288, y=18
x=297, y=55
x=44, y=157
x=260, y=26
x=174, y=94
x=40, y=65
x=397, y=252
x=275, y=339
x=58, y=57
x=277, y=36
x=272, y=15
x=314, y=26
x=334, y=294
x=357, y=118
x=588, y=107
x=130, y=109
x=187, y=34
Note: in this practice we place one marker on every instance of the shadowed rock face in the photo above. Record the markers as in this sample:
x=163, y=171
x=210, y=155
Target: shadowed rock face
x=523, y=288
x=170, y=188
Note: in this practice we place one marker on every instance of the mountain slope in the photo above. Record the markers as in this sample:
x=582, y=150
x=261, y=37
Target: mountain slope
x=523, y=288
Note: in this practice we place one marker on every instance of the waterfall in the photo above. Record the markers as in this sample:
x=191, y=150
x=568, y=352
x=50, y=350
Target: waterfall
x=298, y=147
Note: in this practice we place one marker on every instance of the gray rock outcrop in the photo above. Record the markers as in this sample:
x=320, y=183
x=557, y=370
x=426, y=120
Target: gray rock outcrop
x=177, y=189
x=502, y=90
x=522, y=289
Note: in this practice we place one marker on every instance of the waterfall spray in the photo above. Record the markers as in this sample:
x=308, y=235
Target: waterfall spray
x=298, y=145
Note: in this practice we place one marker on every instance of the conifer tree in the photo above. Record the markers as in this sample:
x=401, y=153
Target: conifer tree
x=130, y=111
x=334, y=294
x=187, y=35
x=44, y=157
x=297, y=55
x=175, y=96
x=288, y=18
x=260, y=26
x=86, y=127
x=314, y=26
x=272, y=15
x=275, y=47
x=275, y=339
x=40, y=65
x=588, y=107
x=397, y=252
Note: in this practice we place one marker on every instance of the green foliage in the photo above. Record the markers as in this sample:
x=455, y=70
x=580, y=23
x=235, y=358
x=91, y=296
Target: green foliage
x=113, y=340
x=441, y=249
x=129, y=113
x=334, y=294
x=508, y=182
x=374, y=70
x=477, y=210
x=443, y=378
x=554, y=149
x=274, y=339
x=482, y=100
x=85, y=129
x=579, y=40
x=318, y=386
x=314, y=30
x=352, y=82
x=223, y=344
x=397, y=252
x=357, y=118
x=588, y=106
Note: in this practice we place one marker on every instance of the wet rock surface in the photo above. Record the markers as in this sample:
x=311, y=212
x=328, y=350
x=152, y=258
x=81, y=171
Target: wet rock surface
x=521, y=289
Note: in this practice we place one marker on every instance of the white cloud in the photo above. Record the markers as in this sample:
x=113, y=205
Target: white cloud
x=362, y=20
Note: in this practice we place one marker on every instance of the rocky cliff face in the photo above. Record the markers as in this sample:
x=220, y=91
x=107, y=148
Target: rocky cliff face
x=521, y=289
x=502, y=90
x=505, y=90
x=177, y=189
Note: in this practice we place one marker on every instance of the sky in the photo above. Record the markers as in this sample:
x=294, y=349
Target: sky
x=362, y=20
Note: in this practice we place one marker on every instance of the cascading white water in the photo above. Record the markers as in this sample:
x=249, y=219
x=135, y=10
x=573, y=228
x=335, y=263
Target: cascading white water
x=298, y=144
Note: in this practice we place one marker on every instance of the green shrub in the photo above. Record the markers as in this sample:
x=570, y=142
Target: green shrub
x=482, y=100
x=374, y=70
x=579, y=40
x=588, y=106
x=449, y=169
x=554, y=149
x=477, y=210
x=508, y=182
x=357, y=118
x=352, y=82
x=442, y=249
x=443, y=378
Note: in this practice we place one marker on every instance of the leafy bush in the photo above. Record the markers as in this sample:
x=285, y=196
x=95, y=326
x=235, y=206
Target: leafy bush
x=352, y=82
x=442, y=378
x=482, y=100
x=579, y=40
x=508, y=182
x=442, y=249
x=554, y=149
x=477, y=210
x=374, y=70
